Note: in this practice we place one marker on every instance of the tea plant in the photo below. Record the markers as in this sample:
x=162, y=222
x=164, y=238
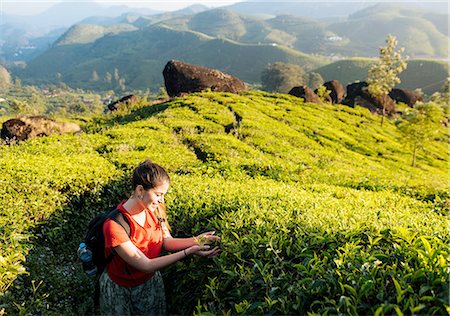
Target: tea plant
x=317, y=206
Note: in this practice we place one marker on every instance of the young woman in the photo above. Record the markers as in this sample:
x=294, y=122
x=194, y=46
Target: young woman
x=131, y=283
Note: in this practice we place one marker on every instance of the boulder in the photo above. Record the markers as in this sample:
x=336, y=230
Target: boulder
x=358, y=94
x=181, y=78
x=353, y=90
x=15, y=129
x=306, y=93
x=337, y=91
x=124, y=101
x=22, y=128
x=375, y=104
x=406, y=96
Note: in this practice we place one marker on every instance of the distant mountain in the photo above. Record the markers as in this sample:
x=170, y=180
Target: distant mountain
x=18, y=44
x=24, y=37
x=360, y=35
x=85, y=33
x=138, y=46
x=326, y=10
x=139, y=57
x=314, y=10
x=67, y=13
x=422, y=34
x=143, y=19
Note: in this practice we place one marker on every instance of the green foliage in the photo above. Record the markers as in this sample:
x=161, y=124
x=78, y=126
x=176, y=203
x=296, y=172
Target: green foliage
x=58, y=101
x=281, y=77
x=76, y=62
x=5, y=79
x=323, y=93
x=420, y=73
x=419, y=124
x=315, y=80
x=318, y=208
x=383, y=75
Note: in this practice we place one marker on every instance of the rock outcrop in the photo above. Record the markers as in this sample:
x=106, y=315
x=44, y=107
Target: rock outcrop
x=306, y=93
x=124, y=101
x=181, y=78
x=406, y=96
x=22, y=128
x=358, y=94
x=337, y=91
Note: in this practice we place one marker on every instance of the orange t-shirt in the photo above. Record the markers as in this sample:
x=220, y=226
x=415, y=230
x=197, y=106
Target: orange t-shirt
x=149, y=239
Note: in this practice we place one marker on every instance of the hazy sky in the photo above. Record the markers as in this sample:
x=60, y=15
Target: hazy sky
x=32, y=7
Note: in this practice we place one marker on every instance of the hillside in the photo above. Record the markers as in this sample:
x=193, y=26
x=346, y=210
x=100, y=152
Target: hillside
x=336, y=10
x=88, y=33
x=318, y=207
x=428, y=75
x=139, y=45
x=419, y=33
x=422, y=33
x=141, y=55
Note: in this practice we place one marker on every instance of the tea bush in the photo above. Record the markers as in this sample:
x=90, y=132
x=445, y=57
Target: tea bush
x=318, y=208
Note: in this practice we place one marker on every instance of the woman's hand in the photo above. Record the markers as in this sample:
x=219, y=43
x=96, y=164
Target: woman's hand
x=201, y=245
x=203, y=251
x=206, y=238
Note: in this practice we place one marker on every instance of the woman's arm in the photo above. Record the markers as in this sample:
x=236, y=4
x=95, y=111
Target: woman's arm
x=175, y=244
x=134, y=257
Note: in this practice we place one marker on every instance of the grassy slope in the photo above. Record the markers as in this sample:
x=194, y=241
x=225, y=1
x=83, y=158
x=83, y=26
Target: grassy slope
x=289, y=182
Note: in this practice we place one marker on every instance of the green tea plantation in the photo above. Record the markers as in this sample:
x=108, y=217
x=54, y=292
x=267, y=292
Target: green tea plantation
x=319, y=209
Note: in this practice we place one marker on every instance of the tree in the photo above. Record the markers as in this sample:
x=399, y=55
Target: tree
x=281, y=77
x=5, y=79
x=419, y=124
x=383, y=75
x=323, y=93
x=18, y=107
x=116, y=74
x=108, y=77
x=121, y=84
x=94, y=76
x=315, y=80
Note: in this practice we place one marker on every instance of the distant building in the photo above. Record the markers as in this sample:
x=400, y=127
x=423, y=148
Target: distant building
x=333, y=38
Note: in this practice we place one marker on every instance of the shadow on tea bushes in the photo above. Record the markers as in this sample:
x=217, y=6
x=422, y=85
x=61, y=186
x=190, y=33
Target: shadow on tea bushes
x=55, y=283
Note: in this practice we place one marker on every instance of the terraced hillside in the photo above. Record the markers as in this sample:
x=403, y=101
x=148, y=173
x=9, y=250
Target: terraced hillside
x=318, y=208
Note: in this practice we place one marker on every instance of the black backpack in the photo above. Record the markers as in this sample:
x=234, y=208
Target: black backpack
x=95, y=241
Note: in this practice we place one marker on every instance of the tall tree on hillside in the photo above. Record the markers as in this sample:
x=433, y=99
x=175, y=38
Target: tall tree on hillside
x=94, y=76
x=419, y=124
x=108, y=77
x=5, y=79
x=116, y=74
x=315, y=80
x=443, y=98
x=281, y=77
x=383, y=75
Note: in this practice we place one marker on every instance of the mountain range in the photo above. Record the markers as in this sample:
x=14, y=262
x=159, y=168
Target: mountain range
x=136, y=46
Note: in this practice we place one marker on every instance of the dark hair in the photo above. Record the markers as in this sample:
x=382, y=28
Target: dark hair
x=149, y=175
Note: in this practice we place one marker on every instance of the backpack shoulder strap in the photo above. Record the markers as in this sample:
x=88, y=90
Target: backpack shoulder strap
x=120, y=219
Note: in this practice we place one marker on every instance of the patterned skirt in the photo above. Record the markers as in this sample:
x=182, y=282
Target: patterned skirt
x=144, y=299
